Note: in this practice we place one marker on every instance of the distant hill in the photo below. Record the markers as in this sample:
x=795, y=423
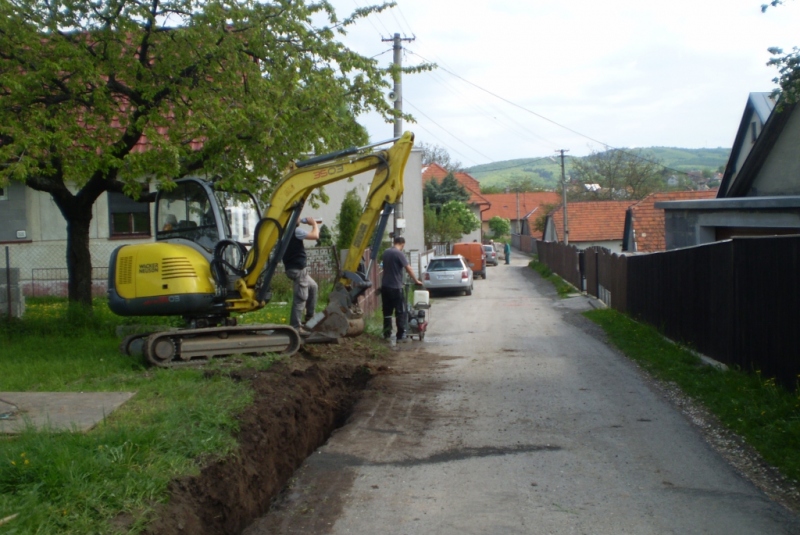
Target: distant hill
x=546, y=172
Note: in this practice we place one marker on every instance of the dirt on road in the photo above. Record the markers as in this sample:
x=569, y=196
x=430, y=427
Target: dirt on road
x=298, y=403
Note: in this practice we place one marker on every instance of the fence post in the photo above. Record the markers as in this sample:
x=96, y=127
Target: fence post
x=8, y=283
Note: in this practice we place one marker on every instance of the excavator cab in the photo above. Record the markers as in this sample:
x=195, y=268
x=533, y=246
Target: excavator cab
x=194, y=212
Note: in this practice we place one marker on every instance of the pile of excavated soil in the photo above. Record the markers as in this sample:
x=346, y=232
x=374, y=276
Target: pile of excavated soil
x=298, y=403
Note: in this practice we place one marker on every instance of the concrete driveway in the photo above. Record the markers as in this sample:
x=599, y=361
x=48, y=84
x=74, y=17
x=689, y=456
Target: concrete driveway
x=512, y=417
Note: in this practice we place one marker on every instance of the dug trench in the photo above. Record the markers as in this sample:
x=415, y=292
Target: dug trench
x=298, y=403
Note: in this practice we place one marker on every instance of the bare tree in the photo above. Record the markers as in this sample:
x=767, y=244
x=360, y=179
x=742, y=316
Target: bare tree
x=436, y=154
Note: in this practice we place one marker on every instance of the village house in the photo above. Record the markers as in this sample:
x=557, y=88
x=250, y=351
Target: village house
x=477, y=202
x=521, y=209
x=589, y=223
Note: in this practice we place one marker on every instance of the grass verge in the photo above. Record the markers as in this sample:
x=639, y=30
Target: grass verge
x=562, y=287
x=766, y=415
x=60, y=482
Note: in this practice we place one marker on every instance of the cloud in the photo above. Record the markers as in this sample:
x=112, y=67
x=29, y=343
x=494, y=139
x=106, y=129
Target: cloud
x=623, y=72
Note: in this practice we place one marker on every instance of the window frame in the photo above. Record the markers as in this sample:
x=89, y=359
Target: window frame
x=117, y=207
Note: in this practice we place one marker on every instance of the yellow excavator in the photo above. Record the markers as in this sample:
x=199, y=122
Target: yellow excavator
x=200, y=268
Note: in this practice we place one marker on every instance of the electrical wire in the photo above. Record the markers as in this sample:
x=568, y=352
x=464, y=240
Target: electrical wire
x=446, y=130
x=514, y=104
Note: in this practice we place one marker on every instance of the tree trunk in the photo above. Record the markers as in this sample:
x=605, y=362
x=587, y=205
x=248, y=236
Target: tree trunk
x=79, y=259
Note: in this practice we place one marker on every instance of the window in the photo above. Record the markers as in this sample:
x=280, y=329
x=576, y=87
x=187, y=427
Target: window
x=246, y=224
x=127, y=217
x=3, y=194
x=753, y=132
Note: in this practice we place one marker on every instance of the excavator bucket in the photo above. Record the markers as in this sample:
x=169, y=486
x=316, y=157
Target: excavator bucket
x=342, y=317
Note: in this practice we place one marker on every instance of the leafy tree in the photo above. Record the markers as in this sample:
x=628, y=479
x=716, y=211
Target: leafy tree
x=467, y=220
x=439, y=155
x=325, y=236
x=441, y=228
x=234, y=89
x=347, y=220
x=621, y=174
x=788, y=68
x=437, y=194
x=499, y=226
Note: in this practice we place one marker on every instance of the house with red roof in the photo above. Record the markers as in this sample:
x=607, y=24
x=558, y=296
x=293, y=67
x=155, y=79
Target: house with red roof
x=477, y=202
x=522, y=209
x=644, y=223
x=589, y=223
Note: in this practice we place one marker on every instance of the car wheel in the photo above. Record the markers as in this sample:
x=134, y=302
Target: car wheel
x=468, y=291
x=484, y=273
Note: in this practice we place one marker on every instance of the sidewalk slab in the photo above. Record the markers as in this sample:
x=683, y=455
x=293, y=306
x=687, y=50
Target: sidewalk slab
x=57, y=411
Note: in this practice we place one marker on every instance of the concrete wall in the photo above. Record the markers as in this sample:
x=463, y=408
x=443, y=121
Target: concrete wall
x=686, y=228
x=13, y=213
x=615, y=246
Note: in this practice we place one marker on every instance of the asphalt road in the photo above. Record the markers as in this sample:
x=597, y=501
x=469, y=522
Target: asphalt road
x=513, y=417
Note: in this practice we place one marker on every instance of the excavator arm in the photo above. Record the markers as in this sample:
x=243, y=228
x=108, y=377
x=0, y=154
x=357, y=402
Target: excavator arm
x=288, y=199
x=343, y=316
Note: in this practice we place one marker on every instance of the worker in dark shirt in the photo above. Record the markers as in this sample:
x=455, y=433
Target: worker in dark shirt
x=394, y=263
x=304, y=287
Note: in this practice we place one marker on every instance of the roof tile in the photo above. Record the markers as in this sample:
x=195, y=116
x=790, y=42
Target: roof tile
x=648, y=221
x=592, y=221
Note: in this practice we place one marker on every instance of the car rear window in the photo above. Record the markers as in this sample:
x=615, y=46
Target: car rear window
x=488, y=248
x=447, y=264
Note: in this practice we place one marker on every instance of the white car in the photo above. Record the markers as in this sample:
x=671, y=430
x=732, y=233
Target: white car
x=491, y=255
x=449, y=272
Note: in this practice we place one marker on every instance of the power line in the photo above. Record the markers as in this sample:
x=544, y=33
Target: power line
x=404, y=19
x=372, y=23
x=514, y=104
x=509, y=123
x=448, y=132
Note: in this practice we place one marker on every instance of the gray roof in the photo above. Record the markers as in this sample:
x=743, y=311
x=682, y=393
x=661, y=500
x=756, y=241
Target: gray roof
x=762, y=105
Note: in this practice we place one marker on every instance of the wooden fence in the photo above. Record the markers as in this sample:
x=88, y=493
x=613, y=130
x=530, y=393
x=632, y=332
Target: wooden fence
x=735, y=301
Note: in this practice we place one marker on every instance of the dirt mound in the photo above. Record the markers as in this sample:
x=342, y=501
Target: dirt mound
x=298, y=403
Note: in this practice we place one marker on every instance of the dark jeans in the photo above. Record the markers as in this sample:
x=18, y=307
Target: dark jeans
x=392, y=300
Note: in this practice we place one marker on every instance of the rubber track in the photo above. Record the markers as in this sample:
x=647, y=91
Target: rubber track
x=217, y=335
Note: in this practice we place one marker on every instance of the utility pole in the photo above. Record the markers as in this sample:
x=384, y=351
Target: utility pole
x=397, y=96
x=564, y=195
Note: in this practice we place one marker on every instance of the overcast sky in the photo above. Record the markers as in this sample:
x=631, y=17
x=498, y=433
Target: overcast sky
x=624, y=73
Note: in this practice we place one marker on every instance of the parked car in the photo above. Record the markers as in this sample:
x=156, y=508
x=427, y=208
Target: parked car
x=475, y=256
x=491, y=255
x=449, y=272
